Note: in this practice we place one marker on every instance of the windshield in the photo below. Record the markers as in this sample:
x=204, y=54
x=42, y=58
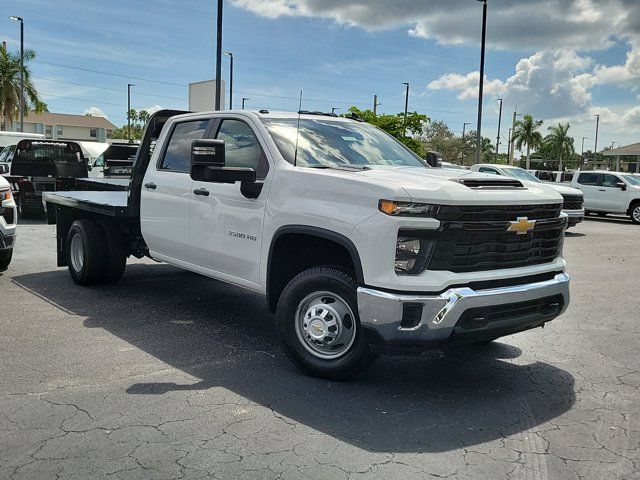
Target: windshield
x=331, y=143
x=521, y=174
x=632, y=180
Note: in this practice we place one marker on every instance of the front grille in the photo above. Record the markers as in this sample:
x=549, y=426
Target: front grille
x=483, y=317
x=496, y=213
x=572, y=202
x=469, y=250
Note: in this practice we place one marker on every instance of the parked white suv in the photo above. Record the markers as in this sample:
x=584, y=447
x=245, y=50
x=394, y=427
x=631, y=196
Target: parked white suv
x=573, y=198
x=610, y=192
x=8, y=217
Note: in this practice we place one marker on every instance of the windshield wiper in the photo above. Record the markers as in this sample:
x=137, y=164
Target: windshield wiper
x=349, y=168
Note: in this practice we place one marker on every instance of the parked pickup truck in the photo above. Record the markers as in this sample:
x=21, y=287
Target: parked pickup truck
x=610, y=192
x=572, y=198
x=33, y=167
x=7, y=224
x=115, y=162
x=358, y=248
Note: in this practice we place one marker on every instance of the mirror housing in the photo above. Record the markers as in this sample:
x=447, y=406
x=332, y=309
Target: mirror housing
x=206, y=153
x=621, y=185
x=3, y=169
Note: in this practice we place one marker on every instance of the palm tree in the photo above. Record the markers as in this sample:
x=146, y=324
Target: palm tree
x=526, y=133
x=486, y=149
x=560, y=142
x=143, y=116
x=10, y=86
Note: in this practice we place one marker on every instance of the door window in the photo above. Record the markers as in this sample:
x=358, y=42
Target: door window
x=588, y=178
x=177, y=156
x=241, y=147
x=610, y=181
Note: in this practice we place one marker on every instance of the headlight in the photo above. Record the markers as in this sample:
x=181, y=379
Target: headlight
x=412, y=253
x=407, y=209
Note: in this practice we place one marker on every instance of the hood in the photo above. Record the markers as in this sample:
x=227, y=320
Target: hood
x=565, y=190
x=4, y=184
x=443, y=186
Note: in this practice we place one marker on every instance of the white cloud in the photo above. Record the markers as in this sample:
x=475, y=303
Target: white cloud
x=621, y=74
x=95, y=112
x=537, y=24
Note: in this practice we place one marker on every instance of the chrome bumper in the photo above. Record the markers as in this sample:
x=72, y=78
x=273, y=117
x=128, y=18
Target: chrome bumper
x=382, y=311
x=575, y=216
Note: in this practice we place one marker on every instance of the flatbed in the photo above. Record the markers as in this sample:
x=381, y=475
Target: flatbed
x=110, y=203
x=106, y=183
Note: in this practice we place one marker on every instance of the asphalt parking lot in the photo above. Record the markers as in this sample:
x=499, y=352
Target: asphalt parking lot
x=172, y=375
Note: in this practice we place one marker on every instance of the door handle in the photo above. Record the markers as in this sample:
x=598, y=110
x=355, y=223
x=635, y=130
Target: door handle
x=201, y=191
x=602, y=190
x=150, y=185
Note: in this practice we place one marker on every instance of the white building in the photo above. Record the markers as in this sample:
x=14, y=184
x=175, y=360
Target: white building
x=202, y=96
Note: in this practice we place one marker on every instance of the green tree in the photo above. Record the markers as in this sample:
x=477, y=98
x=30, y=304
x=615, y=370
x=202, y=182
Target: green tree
x=394, y=125
x=560, y=142
x=486, y=148
x=143, y=116
x=526, y=133
x=10, y=86
x=439, y=138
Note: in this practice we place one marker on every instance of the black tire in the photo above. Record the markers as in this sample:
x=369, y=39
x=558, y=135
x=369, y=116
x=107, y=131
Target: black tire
x=116, y=252
x=635, y=219
x=93, y=245
x=322, y=279
x=5, y=259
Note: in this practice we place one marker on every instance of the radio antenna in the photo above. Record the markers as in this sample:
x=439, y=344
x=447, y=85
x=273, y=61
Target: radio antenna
x=295, y=154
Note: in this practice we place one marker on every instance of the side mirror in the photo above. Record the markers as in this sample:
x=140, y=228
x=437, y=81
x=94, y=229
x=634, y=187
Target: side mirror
x=3, y=169
x=208, y=164
x=621, y=185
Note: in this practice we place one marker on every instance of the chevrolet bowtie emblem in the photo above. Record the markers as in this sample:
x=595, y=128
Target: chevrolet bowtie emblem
x=522, y=226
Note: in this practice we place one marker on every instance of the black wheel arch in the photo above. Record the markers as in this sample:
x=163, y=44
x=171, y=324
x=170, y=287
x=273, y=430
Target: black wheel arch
x=273, y=289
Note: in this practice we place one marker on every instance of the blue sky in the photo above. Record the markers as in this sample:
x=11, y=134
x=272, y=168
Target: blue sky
x=341, y=53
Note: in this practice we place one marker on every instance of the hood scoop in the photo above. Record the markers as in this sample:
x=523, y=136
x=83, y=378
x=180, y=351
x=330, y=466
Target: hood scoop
x=497, y=183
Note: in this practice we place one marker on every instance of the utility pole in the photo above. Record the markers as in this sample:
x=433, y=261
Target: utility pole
x=499, y=121
x=509, y=147
x=129, y=85
x=333, y=109
x=481, y=85
x=19, y=19
x=582, y=151
x=464, y=143
x=375, y=105
x=513, y=130
x=406, y=108
x=243, y=100
x=595, y=148
x=219, y=57
x=230, y=55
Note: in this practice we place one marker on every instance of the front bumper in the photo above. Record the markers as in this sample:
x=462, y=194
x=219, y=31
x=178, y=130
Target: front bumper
x=460, y=315
x=575, y=216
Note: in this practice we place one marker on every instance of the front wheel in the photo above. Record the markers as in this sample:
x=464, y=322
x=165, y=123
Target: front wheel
x=5, y=259
x=635, y=213
x=319, y=327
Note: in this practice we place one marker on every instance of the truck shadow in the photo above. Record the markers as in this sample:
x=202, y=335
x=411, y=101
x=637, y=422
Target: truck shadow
x=225, y=337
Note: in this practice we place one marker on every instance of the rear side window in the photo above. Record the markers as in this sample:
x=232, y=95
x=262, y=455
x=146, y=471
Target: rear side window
x=177, y=156
x=588, y=178
x=566, y=177
x=487, y=170
x=241, y=147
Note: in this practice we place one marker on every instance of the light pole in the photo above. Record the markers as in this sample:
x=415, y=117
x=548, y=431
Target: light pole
x=509, y=147
x=582, y=151
x=375, y=105
x=243, y=100
x=481, y=84
x=333, y=109
x=219, y=56
x=230, y=55
x=595, y=148
x=513, y=131
x=499, y=121
x=19, y=19
x=406, y=108
x=129, y=85
x=464, y=143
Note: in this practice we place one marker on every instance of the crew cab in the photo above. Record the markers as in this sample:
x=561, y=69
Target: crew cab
x=610, y=192
x=358, y=248
x=573, y=200
x=8, y=217
x=33, y=166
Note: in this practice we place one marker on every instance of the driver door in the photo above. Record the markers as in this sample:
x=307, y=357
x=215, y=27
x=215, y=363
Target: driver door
x=612, y=198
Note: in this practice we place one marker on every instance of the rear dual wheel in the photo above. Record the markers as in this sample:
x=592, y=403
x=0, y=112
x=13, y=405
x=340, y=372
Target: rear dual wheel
x=96, y=252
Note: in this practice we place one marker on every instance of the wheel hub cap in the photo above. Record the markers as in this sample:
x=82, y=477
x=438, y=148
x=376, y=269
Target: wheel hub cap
x=325, y=325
